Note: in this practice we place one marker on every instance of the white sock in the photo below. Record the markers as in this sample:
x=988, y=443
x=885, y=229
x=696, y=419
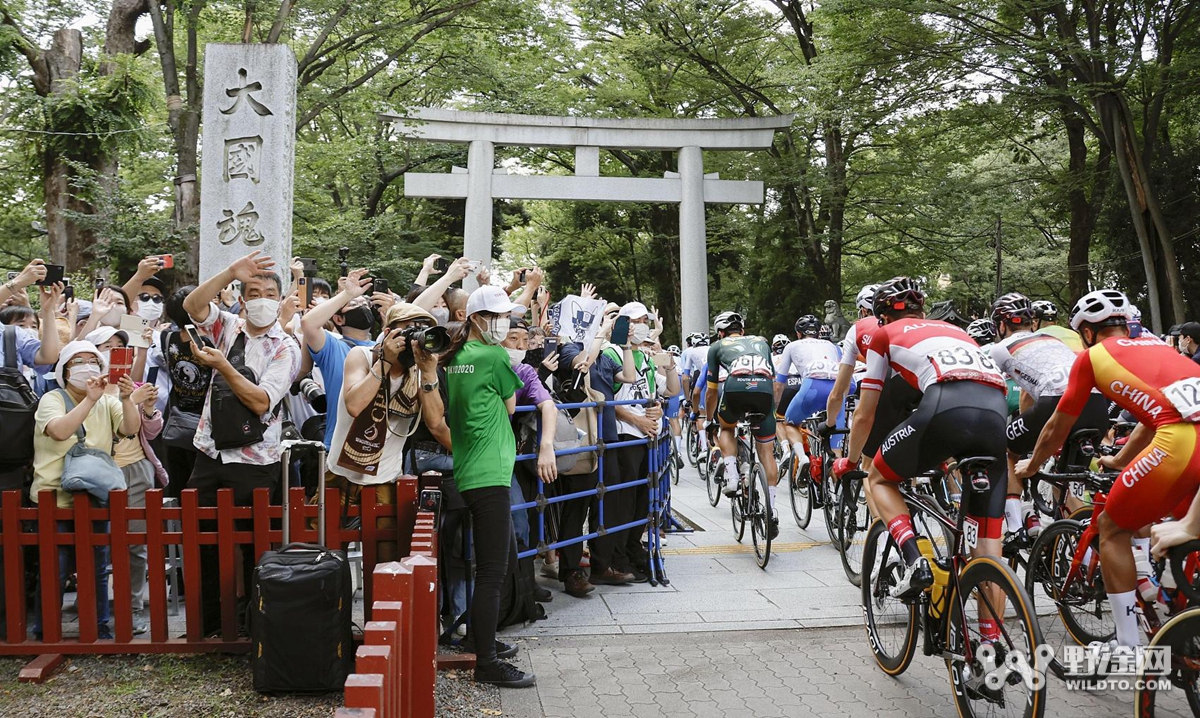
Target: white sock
x=1013, y=514
x=798, y=450
x=731, y=473
x=772, y=491
x=1141, y=557
x=1126, y=614
x=679, y=444
x=703, y=441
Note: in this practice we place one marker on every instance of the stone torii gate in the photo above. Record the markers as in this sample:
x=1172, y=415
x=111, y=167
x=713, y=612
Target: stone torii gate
x=481, y=181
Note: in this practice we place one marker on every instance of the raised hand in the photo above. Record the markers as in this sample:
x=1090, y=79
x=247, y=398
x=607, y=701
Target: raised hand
x=430, y=264
x=356, y=283
x=587, y=291
x=33, y=272
x=95, y=387
x=246, y=268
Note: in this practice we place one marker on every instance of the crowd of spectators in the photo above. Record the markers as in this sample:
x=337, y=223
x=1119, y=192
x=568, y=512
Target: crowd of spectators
x=197, y=387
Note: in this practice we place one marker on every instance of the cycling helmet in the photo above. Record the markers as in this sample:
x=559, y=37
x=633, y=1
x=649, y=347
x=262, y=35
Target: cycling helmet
x=702, y=340
x=983, y=331
x=1045, y=311
x=866, y=297
x=1103, y=307
x=692, y=339
x=1012, y=308
x=673, y=349
x=825, y=333
x=725, y=320
x=779, y=341
x=897, y=295
x=808, y=325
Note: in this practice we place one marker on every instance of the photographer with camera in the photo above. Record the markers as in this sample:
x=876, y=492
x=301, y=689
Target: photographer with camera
x=238, y=435
x=388, y=387
x=350, y=312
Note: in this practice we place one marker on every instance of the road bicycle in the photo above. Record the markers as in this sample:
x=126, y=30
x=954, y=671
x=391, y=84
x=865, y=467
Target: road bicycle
x=1157, y=690
x=752, y=503
x=1001, y=673
x=691, y=440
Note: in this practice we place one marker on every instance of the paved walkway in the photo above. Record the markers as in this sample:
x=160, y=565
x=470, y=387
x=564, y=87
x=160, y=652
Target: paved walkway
x=727, y=639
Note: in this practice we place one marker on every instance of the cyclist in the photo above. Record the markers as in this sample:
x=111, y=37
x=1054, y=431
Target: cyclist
x=1161, y=459
x=807, y=372
x=690, y=363
x=739, y=368
x=983, y=331
x=778, y=342
x=1045, y=314
x=1040, y=365
x=962, y=413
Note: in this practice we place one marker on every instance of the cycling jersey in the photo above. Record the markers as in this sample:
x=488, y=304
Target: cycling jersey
x=1161, y=388
x=744, y=366
x=1065, y=335
x=807, y=358
x=854, y=346
x=691, y=359
x=926, y=352
x=1039, y=363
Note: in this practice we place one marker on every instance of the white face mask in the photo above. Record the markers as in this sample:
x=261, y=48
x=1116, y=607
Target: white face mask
x=262, y=312
x=441, y=314
x=639, y=333
x=150, y=311
x=80, y=374
x=515, y=356
x=318, y=301
x=113, y=318
x=496, y=330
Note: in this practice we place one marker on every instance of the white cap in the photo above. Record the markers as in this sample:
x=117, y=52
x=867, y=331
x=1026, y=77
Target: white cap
x=492, y=299
x=635, y=310
x=102, y=334
x=79, y=346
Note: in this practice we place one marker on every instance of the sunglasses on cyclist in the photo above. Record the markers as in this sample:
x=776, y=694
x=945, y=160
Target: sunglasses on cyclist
x=156, y=298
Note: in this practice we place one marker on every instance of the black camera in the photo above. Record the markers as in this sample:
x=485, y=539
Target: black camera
x=434, y=340
x=314, y=394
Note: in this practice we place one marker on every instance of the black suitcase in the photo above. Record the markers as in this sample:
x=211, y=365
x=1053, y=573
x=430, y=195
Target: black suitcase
x=301, y=609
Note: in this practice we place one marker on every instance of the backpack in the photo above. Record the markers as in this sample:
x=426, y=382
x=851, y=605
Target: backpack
x=566, y=436
x=18, y=405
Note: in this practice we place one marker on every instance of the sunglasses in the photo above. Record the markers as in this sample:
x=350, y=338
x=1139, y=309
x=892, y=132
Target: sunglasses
x=156, y=298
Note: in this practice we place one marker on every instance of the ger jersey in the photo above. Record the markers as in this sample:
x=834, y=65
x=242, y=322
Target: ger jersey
x=1144, y=376
x=744, y=357
x=1064, y=335
x=1039, y=363
x=808, y=358
x=925, y=352
x=854, y=346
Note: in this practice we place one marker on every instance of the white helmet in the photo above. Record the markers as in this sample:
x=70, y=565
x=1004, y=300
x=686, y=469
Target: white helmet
x=1103, y=306
x=866, y=297
x=779, y=341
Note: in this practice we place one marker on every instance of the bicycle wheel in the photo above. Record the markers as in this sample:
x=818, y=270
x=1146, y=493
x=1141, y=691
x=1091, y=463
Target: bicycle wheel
x=692, y=447
x=800, y=493
x=1083, y=613
x=830, y=491
x=712, y=470
x=853, y=520
x=673, y=461
x=891, y=623
x=988, y=589
x=1157, y=693
x=737, y=511
x=759, y=502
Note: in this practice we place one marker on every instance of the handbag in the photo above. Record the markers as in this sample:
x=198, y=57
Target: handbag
x=588, y=425
x=233, y=424
x=88, y=469
x=179, y=430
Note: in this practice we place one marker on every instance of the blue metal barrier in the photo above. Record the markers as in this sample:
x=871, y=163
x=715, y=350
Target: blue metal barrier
x=656, y=479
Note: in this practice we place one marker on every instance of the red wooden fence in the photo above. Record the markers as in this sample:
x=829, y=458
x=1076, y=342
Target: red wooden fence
x=22, y=527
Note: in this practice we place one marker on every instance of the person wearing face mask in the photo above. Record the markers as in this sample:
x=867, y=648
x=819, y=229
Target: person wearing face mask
x=150, y=300
x=449, y=302
x=482, y=389
x=1189, y=340
x=257, y=361
x=110, y=305
x=104, y=418
x=349, y=311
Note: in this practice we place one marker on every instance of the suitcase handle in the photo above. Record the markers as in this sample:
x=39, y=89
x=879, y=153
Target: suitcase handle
x=318, y=447
x=298, y=546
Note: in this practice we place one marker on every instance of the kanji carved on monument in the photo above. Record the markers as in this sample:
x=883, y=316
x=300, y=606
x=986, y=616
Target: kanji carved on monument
x=241, y=158
x=243, y=93
x=240, y=227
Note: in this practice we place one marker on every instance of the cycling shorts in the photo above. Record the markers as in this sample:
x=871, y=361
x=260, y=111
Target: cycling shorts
x=785, y=397
x=734, y=405
x=672, y=411
x=1024, y=429
x=1163, y=478
x=812, y=398
x=897, y=400
x=954, y=419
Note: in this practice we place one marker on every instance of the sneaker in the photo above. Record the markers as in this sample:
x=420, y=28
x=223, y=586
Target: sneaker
x=104, y=633
x=730, y=488
x=1015, y=543
x=638, y=576
x=542, y=595
x=774, y=527
x=503, y=650
x=576, y=584
x=913, y=579
x=504, y=675
x=141, y=624
x=550, y=570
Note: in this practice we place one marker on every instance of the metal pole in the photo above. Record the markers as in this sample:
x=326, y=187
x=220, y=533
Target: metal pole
x=999, y=259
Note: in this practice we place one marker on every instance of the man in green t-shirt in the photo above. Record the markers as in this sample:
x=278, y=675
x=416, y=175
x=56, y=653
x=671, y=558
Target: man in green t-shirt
x=741, y=370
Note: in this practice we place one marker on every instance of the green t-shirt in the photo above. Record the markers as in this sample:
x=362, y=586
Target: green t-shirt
x=479, y=380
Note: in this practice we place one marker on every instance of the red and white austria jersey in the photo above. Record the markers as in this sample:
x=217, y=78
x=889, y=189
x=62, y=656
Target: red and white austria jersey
x=925, y=352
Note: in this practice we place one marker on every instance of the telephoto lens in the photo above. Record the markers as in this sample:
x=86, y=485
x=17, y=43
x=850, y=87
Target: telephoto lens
x=314, y=394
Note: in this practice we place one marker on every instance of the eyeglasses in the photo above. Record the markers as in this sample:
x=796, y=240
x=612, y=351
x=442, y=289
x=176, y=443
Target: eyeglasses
x=81, y=362
x=156, y=298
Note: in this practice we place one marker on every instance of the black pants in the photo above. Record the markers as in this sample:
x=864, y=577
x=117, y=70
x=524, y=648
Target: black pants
x=180, y=464
x=634, y=502
x=495, y=555
x=604, y=547
x=571, y=515
x=208, y=476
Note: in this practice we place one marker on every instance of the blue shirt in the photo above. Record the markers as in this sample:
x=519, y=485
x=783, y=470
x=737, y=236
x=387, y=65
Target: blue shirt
x=331, y=360
x=28, y=346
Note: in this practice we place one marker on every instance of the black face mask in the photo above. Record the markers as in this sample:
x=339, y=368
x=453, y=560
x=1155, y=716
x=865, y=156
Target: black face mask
x=534, y=357
x=360, y=318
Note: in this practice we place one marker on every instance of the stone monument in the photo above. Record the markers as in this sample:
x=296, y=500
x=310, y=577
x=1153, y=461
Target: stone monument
x=836, y=321
x=248, y=154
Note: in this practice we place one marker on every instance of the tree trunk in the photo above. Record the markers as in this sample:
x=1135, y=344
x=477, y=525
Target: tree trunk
x=61, y=62
x=1082, y=219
